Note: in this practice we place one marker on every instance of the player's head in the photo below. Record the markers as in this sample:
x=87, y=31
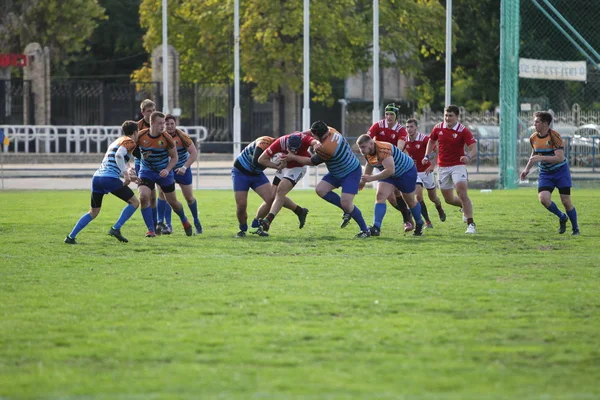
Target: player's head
x=147, y=107
x=170, y=123
x=451, y=114
x=366, y=145
x=294, y=142
x=157, y=122
x=412, y=126
x=543, y=116
x=392, y=109
x=129, y=128
x=319, y=129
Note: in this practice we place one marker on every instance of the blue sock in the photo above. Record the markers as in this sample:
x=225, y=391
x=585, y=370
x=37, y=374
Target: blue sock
x=125, y=215
x=160, y=208
x=82, y=223
x=554, y=210
x=416, y=212
x=194, y=210
x=380, y=209
x=168, y=214
x=255, y=223
x=147, y=214
x=357, y=216
x=243, y=227
x=154, y=216
x=181, y=215
x=573, y=217
x=334, y=199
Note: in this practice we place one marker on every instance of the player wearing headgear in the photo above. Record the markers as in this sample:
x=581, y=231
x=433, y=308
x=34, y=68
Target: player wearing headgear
x=287, y=176
x=344, y=171
x=106, y=180
x=391, y=131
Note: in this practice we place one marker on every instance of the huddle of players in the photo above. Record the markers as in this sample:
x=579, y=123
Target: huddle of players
x=163, y=156
x=400, y=156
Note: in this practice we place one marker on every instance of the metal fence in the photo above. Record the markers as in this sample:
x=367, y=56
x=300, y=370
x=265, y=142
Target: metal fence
x=14, y=94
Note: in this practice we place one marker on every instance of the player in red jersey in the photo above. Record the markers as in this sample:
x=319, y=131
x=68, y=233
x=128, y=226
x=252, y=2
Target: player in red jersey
x=451, y=137
x=391, y=131
x=416, y=144
x=287, y=176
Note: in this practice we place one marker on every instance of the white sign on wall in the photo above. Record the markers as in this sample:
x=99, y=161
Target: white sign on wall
x=554, y=70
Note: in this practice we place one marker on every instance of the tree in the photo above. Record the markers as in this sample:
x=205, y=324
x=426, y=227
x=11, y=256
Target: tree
x=271, y=42
x=62, y=25
x=116, y=46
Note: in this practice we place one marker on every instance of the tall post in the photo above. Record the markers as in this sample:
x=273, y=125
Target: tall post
x=448, y=86
x=237, y=112
x=509, y=91
x=165, y=57
x=306, y=45
x=376, y=100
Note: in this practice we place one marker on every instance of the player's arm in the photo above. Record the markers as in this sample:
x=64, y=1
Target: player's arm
x=401, y=144
x=431, y=144
x=471, y=153
x=303, y=160
x=265, y=160
x=388, y=170
x=367, y=172
x=527, y=168
x=192, y=151
x=559, y=156
x=173, y=158
x=121, y=163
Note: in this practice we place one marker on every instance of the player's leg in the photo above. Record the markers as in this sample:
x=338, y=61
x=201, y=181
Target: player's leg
x=396, y=200
x=265, y=190
x=447, y=187
x=419, y=197
x=127, y=195
x=169, y=191
x=85, y=219
x=289, y=178
x=349, y=186
x=185, y=183
x=546, y=186
x=562, y=179
x=432, y=194
x=407, y=184
x=263, y=209
x=145, y=189
x=384, y=190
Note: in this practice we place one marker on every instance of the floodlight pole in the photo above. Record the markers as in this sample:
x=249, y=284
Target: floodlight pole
x=306, y=105
x=237, y=111
x=165, y=57
x=376, y=101
x=448, y=87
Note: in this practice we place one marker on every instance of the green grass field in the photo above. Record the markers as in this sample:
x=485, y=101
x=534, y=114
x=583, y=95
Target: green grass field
x=510, y=313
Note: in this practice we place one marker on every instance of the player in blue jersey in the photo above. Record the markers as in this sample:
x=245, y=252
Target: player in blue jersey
x=187, y=153
x=106, y=180
x=147, y=107
x=248, y=174
x=159, y=157
x=396, y=171
x=344, y=171
x=549, y=154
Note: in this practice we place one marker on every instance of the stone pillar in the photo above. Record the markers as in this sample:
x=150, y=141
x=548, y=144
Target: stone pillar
x=157, y=73
x=37, y=72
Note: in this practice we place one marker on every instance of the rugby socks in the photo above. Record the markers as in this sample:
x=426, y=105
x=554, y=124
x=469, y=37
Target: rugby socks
x=125, y=215
x=82, y=223
x=181, y=215
x=424, y=211
x=357, y=216
x=403, y=208
x=194, y=210
x=270, y=217
x=255, y=223
x=243, y=227
x=380, y=209
x=298, y=210
x=148, y=219
x=416, y=212
x=168, y=215
x=154, y=216
x=554, y=210
x=333, y=198
x=160, y=208
x=572, y=213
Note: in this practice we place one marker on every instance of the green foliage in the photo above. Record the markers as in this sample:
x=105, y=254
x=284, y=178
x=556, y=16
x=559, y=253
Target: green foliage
x=271, y=40
x=510, y=313
x=63, y=25
x=115, y=48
